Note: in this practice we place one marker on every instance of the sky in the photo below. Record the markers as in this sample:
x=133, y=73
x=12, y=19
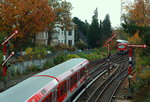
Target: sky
x=84, y=10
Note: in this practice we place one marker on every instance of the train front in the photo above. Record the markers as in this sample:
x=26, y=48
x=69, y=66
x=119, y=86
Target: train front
x=122, y=48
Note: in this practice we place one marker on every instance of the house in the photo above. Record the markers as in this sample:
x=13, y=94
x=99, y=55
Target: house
x=82, y=37
x=42, y=38
x=59, y=36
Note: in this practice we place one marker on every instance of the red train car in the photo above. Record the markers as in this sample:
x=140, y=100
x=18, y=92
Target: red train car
x=122, y=48
x=57, y=84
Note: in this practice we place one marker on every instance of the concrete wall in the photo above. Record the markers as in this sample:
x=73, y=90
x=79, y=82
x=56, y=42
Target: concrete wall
x=23, y=66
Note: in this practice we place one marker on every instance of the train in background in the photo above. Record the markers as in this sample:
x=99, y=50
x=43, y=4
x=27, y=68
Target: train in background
x=122, y=47
x=57, y=84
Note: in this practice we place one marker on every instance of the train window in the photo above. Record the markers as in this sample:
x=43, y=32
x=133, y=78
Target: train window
x=73, y=79
x=65, y=87
x=82, y=72
x=48, y=98
x=121, y=46
x=61, y=90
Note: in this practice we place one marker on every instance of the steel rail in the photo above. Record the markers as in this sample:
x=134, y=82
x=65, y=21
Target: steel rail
x=110, y=83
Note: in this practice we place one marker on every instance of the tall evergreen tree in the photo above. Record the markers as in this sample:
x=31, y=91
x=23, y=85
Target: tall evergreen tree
x=93, y=35
x=81, y=27
x=107, y=30
x=101, y=33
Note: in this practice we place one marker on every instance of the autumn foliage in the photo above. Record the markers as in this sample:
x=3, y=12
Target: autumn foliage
x=139, y=13
x=135, y=39
x=27, y=16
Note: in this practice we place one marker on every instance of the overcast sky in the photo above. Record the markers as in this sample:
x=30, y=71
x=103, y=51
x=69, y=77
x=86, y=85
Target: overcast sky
x=84, y=9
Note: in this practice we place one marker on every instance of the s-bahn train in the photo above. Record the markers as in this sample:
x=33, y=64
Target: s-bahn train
x=57, y=84
x=122, y=47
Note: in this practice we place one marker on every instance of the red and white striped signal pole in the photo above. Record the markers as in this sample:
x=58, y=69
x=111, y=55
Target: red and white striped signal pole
x=130, y=59
x=4, y=44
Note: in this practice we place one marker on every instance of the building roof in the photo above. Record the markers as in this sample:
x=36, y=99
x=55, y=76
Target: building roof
x=82, y=37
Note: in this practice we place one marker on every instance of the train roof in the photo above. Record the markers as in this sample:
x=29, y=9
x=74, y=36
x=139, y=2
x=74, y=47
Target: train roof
x=122, y=44
x=24, y=90
x=63, y=70
x=122, y=41
x=31, y=86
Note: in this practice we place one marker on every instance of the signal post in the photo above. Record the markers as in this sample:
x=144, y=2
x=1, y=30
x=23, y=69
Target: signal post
x=108, y=52
x=130, y=59
x=4, y=44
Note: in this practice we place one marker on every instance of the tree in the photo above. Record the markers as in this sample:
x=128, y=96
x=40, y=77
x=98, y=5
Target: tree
x=101, y=36
x=62, y=11
x=121, y=34
x=135, y=39
x=138, y=19
x=107, y=30
x=138, y=13
x=27, y=16
x=93, y=34
x=81, y=27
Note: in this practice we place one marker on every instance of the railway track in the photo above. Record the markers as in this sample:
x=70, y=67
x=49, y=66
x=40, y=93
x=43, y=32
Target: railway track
x=106, y=94
x=99, y=77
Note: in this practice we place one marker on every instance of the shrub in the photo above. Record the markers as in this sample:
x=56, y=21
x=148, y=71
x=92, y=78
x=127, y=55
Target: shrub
x=48, y=64
x=144, y=60
x=20, y=58
x=81, y=45
x=142, y=89
x=32, y=68
x=70, y=56
x=59, y=59
x=29, y=50
x=40, y=49
x=51, y=48
x=90, y=56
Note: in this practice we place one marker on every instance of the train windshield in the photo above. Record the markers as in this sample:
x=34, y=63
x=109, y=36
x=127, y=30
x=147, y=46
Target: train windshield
x=121, y=46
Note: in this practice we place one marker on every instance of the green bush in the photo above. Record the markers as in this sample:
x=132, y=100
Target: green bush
x=142, y=93
x=81, y=45
x=90, y=56
x=29, y=50
x=144, y=61
x=70, y=56
x=39, y=49
x=51, y=48
x=32, y=68
x=59, y=59
x=48, y=64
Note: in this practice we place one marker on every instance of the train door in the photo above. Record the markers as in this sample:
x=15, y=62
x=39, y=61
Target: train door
x=62, y=91
x=82, y=75
x=55, y=95
x=73, y=82
x=48, y=98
